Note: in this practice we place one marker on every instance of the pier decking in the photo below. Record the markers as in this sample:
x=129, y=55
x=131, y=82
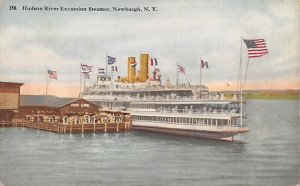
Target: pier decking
x=71, y=128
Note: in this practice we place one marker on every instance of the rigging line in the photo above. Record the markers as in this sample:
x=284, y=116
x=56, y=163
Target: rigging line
x=246, y=73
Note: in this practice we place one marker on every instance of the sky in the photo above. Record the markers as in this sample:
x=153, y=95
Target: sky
x=178, y=32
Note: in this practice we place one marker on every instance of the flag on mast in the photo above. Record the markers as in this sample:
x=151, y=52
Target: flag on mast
x=114, y=68
x=256, y=47
x=86, y=68
x=153, y=62
x=111, y=60
x=204, y=64
x=101, y=70
x=181, y=69
x=52, y=74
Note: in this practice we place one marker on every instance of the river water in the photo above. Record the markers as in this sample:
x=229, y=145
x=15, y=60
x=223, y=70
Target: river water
x=269, y=156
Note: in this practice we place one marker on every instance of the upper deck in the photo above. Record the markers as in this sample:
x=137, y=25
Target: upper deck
x=143, y=90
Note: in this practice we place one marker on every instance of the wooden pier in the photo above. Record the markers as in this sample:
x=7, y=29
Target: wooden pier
x=71, y=128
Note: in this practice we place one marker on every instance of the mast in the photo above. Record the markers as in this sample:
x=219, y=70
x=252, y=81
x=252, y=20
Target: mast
x=177, y=77
x=106, y=61
x=84, y=82
x=111, y=82
x=80, y=76
x=200, y=76
x=241, y=88
x=46, y=82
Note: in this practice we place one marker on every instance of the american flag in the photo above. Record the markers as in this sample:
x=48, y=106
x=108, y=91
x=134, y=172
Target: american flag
x=52, y=74
x=256, y=47
x=181, y=69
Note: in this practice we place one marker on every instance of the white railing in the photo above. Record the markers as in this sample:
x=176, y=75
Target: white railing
x=182, y=111
x=151, y=98
x=235, y=125
x=145, y=87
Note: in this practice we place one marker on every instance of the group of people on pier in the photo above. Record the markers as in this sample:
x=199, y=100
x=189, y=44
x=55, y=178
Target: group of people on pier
x=76, y=118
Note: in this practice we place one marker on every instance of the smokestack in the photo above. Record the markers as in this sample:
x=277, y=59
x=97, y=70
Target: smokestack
x=131, y=69
x=144, y=67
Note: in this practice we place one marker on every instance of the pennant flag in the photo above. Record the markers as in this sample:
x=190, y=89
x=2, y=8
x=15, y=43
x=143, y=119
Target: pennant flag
x=52, y=74
x=133, y=64
x=111, y=60
x=101, y=70
x=204, y=64
x=181, y=69
x=153, y=62
x=114, y=68
x=256, y=47
x=86, y=68
x=86, y=75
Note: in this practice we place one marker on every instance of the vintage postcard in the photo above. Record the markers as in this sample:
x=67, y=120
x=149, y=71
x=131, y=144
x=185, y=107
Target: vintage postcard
x=141, y=92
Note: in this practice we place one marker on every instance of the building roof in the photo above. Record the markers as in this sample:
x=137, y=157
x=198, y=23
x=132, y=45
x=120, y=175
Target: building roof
x=10, y=84
x=46, y=101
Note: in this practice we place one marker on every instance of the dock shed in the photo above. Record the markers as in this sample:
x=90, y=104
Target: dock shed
x=9, y=100
x=51, y=105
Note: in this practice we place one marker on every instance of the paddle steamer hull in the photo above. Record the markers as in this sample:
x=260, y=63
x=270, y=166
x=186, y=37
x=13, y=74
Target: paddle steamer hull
x=215, y=133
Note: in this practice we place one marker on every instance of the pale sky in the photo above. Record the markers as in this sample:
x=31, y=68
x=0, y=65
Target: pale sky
x=179, y=32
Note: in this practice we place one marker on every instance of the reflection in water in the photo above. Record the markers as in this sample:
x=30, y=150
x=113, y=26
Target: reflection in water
x=221, y=146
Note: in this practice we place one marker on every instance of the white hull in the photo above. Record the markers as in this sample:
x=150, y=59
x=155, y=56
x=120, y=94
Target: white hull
x=199, y=131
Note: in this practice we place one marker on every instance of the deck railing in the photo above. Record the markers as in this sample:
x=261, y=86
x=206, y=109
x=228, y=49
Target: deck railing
x=189, y=111
x=196, y=111
x=153, y=98
x=145, y=87
x=196, y=124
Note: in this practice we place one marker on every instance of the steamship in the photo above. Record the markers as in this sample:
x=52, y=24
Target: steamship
x=187, y=110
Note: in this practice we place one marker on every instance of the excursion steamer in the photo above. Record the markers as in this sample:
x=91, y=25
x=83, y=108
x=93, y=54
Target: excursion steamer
x=184, y=109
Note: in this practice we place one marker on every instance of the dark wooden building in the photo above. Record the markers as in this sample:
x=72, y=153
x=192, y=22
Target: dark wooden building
x=51, y=105
x=9, y=100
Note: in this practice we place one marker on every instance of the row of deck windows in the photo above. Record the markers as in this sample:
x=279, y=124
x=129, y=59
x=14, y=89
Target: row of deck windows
x=196, y=121
x=191, y=110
